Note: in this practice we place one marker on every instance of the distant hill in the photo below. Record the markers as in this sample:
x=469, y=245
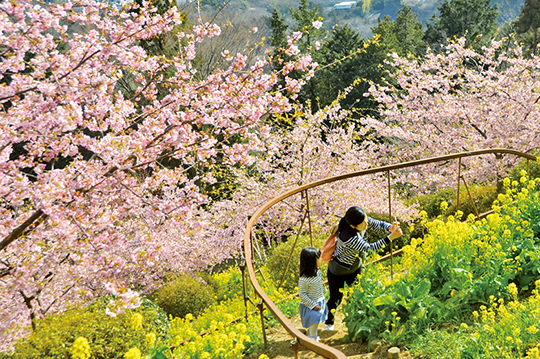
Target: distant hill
x=355, y=17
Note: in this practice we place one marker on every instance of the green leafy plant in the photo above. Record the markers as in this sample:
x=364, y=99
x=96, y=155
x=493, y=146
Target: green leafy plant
x=459, y=266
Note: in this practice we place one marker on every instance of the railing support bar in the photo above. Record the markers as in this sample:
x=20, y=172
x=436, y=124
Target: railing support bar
x=292, y=250
x=390, y=214
x=470, y=197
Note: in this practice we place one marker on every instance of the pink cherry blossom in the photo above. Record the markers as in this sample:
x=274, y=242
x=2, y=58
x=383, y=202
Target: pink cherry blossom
x=461, y=100
x=91, y=121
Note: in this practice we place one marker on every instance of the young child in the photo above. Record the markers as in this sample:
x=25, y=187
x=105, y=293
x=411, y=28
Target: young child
x=313, y=308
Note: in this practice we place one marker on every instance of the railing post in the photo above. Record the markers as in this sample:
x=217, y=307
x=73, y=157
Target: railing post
x=294, y=347
x=309, y=219
x=260, y=305
x=458, y=179
x=390, y=214
x=244, y=290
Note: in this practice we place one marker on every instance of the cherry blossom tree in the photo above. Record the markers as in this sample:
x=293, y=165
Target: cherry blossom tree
x=313, y=149
x=460, y=100
x=90, y=203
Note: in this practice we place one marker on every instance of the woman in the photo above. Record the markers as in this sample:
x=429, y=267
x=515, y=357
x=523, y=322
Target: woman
x=346, y=263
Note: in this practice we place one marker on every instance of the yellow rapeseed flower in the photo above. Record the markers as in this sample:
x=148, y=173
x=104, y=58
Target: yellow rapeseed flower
x=80, y=349
x=241, y=328
x=136, y=321
x=534, y=353
x=512, y=289
x=150, y=338
x=133, y=353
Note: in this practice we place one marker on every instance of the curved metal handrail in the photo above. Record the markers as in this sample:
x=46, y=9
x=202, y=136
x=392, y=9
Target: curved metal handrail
x=304, y=340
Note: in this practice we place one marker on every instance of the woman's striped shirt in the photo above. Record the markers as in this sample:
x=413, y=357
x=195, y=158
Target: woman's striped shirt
x=349, y=247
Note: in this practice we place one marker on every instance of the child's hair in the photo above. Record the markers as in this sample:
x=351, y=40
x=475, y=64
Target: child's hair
x=308, y=261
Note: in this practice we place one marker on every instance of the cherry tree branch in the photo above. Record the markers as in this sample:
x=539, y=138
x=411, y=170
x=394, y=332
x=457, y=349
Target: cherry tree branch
x=17, y=232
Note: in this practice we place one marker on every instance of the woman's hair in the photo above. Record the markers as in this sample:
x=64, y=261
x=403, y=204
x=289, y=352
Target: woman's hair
x=308, y=261
x=354, y=216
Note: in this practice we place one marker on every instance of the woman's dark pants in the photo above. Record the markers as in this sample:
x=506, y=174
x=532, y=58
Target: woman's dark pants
x=335, y=283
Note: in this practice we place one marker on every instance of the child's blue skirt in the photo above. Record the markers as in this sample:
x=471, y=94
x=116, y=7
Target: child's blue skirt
x=310, y=316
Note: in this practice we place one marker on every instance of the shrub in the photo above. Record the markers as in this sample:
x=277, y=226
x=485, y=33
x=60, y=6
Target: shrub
x=483, y=197
x=108, y=337
x=531, y=168
x=226, y=283
x=186, y=294
x=431, y=203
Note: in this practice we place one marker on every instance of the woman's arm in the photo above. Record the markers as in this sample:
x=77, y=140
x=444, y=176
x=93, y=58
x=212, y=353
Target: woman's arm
x=378, y=226
x=359, y=244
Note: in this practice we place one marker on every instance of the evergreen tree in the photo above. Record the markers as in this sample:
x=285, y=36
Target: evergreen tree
x=475, y=20
x=403, y=36
x=304, y=19
x=338, y=74
x=346, y=61
x=529, y=21
x=279, y=30
x=278, y=40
